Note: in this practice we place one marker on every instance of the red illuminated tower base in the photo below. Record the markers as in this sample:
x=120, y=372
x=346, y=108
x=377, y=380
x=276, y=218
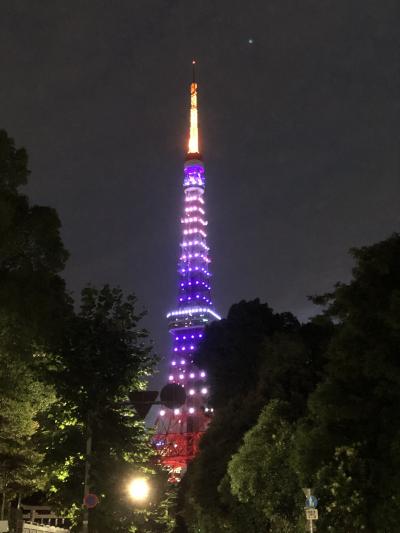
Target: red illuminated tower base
x=178, y=431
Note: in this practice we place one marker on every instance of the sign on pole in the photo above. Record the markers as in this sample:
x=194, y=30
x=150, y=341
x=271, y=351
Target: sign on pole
x=312, y=514
x=311, y=501
x=310, y=509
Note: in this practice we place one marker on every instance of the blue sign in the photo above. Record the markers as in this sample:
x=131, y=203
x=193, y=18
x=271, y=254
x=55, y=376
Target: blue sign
x=311, y=501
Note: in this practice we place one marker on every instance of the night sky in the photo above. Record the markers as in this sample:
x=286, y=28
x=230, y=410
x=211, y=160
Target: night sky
x=299, y=118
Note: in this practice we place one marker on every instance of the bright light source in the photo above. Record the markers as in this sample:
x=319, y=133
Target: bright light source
x=204, y=390
x=191, y=410
x=139, y=489
x=162, y=412
x=176, y=411
x=191, y=392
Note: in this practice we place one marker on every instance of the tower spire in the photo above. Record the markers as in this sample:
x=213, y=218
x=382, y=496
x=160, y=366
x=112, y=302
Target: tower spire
x=193, y=147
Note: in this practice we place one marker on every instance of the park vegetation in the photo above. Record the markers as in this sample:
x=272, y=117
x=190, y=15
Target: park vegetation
x=296, y=405
x=66, y=372
x=304, y=405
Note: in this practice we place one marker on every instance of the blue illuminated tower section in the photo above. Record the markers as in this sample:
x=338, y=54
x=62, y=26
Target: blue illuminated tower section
x=179, y=430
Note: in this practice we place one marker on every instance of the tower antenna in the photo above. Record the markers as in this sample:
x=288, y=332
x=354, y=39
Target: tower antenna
x=193, y=146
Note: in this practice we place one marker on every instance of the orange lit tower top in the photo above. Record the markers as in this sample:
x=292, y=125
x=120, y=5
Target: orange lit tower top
x=178, y=431
x=193, y=147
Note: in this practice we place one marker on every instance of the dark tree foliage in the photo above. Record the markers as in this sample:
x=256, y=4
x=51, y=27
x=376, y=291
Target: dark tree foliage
x=62, y=373
x=336, y=426
x=349, y=444
x=13, y=165
x=33, y=304
x=231, y=348
x=32, y=254
x=252, y=357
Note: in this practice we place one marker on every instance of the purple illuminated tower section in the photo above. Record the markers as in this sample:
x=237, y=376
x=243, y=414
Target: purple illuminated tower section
x=179, y=430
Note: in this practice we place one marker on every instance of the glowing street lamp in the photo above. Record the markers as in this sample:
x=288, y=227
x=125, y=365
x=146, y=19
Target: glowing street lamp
x=139, y=489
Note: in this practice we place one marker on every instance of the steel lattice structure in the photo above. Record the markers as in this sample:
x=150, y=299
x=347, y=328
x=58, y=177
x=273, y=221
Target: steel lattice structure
x=178, y=431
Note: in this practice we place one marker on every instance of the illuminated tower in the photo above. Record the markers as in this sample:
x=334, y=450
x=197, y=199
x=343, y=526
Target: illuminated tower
x=179, y=430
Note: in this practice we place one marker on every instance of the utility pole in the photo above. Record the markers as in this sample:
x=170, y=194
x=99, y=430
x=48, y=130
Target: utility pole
x=311, y=509
x=3, y=505
x=86, y=487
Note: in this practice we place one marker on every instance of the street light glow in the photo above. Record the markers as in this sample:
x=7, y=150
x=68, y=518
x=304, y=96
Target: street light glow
x=139, y=489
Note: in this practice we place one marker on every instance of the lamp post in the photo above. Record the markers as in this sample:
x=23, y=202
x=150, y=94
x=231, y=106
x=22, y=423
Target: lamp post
x=139, y=489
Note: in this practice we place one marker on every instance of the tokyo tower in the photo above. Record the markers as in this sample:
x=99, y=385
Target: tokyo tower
x=178, y=430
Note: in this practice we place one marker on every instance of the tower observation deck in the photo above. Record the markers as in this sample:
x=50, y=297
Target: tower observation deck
x=178, y=431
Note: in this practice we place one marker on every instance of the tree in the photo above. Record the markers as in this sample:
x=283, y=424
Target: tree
x=348, y=445
x=33, y=303
x=23, y=398
x=105, y=355
x=252, y=357
x=230, y=351
x=33, y=300
x=64, y=376
x=260, y=471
